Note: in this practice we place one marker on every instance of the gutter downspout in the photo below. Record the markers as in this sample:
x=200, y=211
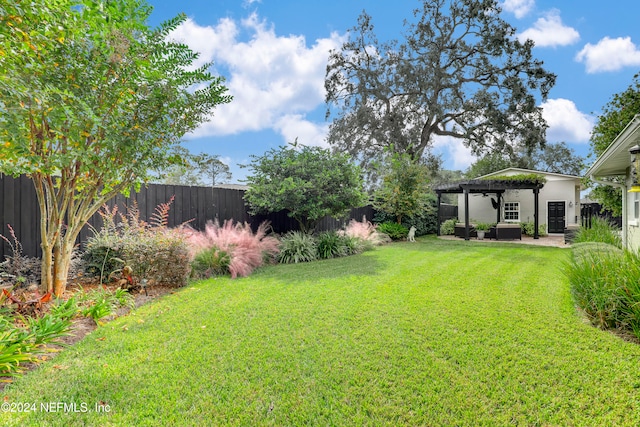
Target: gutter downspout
x=624, y=205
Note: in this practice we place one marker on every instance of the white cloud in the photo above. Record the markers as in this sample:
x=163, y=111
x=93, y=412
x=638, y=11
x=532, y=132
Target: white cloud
x=270, y=77
x=520, y=8
x=458, y=153
x=293, y=126
x=609, y=55
x=566, y=122
x=549, y=31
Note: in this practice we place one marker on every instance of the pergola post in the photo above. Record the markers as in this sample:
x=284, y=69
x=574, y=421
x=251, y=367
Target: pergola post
x=438, y=220
x=466, y=214
x=499, y=197
x=536, y=192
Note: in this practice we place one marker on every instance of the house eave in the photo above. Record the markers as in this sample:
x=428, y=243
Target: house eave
x=616, y=158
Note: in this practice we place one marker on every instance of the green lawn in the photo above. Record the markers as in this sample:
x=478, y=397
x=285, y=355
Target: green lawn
x=430, y=333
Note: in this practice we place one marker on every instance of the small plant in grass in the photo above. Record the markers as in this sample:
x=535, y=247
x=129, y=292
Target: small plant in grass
x=101, y=303
x=296, y=247
x=394, y=230
x=448, y=227
x=210, y=262
x=602, y=231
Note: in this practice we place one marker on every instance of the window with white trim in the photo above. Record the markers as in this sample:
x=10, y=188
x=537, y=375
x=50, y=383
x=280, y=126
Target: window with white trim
x=512, y=211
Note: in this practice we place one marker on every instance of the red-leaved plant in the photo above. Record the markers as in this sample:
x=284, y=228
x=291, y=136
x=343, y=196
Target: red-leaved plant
x=247, y=250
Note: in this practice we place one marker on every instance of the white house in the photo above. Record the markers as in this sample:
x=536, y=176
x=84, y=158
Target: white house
x=618, y=162
x=558, y=202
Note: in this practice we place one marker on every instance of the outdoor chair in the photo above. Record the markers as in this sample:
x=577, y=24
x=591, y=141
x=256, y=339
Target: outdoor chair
x=508, y=231
x=459, y=230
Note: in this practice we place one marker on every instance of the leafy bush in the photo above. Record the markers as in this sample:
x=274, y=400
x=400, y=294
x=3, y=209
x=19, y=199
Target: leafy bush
x=246, y=250
x=394, y=230
x=448, y=227
x=64, y=309
x=153, y=251
x=602, y=231
x=48, y=328
x=20, y=345
x=296, y=247
x=210, y=262
x=605, y=282
x=425, y=222
x=331, y=245
x=17, y=267
x=529, y=227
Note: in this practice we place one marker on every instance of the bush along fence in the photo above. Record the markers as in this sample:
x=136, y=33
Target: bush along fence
x=196, y=205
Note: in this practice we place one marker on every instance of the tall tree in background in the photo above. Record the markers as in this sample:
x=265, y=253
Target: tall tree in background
x=460, y=72
x=554, y=158
x=91, y=100
x=194, y=169
x=615, y=116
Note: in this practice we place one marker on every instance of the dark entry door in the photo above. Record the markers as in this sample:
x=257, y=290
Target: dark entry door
x=555, y=222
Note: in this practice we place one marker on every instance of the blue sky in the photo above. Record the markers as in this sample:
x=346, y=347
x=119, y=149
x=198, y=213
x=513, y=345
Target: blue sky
x=273, y=55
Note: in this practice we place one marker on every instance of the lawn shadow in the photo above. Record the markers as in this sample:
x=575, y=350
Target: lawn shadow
x=366, y=264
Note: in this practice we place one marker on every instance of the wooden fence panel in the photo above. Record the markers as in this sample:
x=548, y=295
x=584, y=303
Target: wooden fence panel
x=19, y=208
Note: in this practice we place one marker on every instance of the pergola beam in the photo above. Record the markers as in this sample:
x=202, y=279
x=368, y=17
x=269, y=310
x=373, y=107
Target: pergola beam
x=486, y=186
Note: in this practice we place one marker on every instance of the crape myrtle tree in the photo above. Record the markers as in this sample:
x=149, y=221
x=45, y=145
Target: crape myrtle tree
x=616, y=115
x=91, y=99
x=459, y=72
x=309, y=182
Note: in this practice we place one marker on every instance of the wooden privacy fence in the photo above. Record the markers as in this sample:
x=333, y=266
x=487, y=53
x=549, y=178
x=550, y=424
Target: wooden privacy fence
x=19, y=208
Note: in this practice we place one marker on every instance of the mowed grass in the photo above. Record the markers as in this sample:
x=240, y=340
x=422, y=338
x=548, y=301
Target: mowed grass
x=431, y=333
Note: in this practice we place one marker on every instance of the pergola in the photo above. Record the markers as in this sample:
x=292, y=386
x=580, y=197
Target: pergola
x=488, y=186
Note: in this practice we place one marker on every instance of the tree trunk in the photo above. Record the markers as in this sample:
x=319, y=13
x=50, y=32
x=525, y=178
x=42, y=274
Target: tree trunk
x=46, y=267
x=61, y=264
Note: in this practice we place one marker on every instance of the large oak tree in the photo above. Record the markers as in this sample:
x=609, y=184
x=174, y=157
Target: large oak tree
x=459, y=72
x=91, y=99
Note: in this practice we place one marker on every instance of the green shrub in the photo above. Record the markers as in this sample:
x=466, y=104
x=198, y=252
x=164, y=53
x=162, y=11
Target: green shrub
x=47, y=329
x=64, y=310
x=331, y=245
x=528, y=228
x=296, y=247
x=425, y=222
x=153, y=251
x=394, y=230
x=210, y=262
x=601, y=230
x=605, y=283
x=448, y=227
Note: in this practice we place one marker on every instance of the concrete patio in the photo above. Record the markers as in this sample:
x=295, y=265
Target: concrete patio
x=554, y=240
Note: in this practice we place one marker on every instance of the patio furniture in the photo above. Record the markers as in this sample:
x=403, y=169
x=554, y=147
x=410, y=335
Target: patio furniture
x=459, y=230
x=508, y=231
